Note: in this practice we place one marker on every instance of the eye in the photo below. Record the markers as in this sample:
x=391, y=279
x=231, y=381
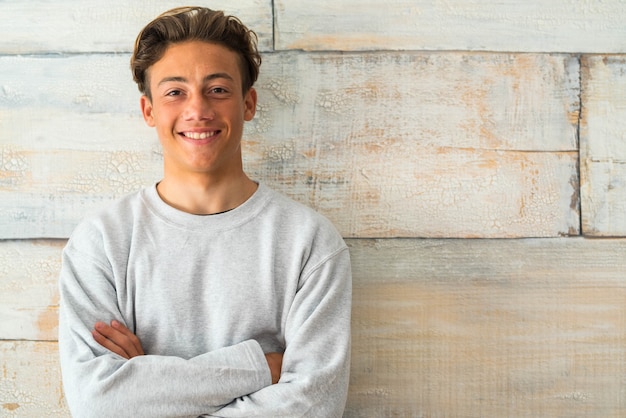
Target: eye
x=173, y=93
x=218, y=90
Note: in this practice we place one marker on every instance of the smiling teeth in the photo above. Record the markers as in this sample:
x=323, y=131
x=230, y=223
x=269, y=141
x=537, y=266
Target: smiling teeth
x=198, y=135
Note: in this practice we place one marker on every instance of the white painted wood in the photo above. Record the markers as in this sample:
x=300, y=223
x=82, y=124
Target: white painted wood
x=460, y=145
x=406, y=191
x=468, y=328
x=30, y=384
x=603, y=146
x=452, y=25
x=44, y=26
x=29, y=296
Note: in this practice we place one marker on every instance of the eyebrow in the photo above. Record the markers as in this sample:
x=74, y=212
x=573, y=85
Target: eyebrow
x=208, y=78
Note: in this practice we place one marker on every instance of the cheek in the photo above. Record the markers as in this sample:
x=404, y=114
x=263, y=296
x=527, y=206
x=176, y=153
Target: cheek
x=164, y=119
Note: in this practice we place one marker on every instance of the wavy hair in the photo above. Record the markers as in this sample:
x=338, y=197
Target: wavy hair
x=194, y=24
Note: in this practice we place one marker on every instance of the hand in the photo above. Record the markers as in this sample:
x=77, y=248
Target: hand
x=275, y=363
x=118, y=339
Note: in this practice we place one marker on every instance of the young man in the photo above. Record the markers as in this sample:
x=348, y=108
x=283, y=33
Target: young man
x=207, y=294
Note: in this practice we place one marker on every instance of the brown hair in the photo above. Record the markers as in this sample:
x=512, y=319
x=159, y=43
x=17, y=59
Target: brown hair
x=194, y=24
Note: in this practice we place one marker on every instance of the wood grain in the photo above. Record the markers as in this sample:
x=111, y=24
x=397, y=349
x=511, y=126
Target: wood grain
x=30, y=384
x=452, y=25
x=29, y=296
x=603, y=146
x=43, y=26
x=471, y=328
x=483, y=143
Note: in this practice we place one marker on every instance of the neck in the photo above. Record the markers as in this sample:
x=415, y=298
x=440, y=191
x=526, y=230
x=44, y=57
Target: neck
x=202, y=195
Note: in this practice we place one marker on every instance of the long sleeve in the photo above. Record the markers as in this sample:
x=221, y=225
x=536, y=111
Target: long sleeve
x=98, y=383
x=207, y=297
x=316, y=361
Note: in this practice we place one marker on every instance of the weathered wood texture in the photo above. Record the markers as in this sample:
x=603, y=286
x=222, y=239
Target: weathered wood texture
x=484, y=143
x=30, y=384
x=603, y=146
x=482, y=328
x=534, y=26
x=474, y=25
x=29, y=296
x=516, y=328
x=44, y=26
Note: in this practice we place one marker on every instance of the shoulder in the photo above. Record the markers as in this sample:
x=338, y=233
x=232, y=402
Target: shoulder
x=297, y=221
x=111, y=223
x=309, y=237
x=298, y=212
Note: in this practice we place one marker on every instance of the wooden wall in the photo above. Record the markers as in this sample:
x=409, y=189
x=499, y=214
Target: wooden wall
x=472, y=153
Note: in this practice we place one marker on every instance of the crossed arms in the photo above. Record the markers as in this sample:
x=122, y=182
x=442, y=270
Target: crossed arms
x=120, y=340
x=107, y=373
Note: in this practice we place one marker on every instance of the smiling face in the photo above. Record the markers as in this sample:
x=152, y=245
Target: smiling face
x=198, y=109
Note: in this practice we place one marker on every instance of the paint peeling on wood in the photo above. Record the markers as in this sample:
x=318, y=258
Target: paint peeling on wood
x=488, y=328
x=91, y=26
x=603, y=146
x=435, y=143
x=13, y=167
x=458, y=100
x=10, y=406
x=452, y=25
x=31, y=380
x=28, y=289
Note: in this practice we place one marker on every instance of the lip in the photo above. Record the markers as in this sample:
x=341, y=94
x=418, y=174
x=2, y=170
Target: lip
x=199, y=137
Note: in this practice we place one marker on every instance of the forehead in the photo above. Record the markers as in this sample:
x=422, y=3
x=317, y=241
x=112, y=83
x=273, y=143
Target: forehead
x=196, y=59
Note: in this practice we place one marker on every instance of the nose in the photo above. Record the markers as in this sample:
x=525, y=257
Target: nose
x=199, y=108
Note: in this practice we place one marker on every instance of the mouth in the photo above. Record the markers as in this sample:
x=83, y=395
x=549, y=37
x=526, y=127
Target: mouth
x=199, y=135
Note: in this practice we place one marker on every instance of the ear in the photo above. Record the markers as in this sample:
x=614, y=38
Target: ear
x=147, y=110
x=249, y=104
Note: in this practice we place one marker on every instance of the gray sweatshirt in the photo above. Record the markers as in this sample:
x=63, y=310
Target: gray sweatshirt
x=207, y=296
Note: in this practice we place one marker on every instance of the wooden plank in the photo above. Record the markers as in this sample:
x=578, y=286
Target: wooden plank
x=488, y=328
x=30, y=384
x=603, y=146
x=91, y=147
x=29, y=296
x=42, y=26
x=532, y=327
x=407, y=191
x=452, y=25
x=485, y=144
